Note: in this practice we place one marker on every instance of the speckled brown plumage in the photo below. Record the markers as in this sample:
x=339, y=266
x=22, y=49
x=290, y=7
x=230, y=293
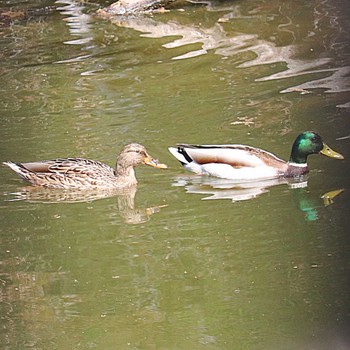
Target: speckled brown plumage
x=83, y=173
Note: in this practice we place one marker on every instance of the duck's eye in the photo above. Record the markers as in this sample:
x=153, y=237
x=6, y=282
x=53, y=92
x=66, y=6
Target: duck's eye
x=314, y=139
x=135, y=151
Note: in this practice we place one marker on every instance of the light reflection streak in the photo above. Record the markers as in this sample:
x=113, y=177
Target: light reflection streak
x=219, y=41
x=197, y=40
x=76, y=19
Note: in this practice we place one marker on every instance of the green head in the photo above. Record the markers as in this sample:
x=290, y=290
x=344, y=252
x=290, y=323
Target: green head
x=310, y=143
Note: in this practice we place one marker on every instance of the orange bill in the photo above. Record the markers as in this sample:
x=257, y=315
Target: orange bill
x=154, y=162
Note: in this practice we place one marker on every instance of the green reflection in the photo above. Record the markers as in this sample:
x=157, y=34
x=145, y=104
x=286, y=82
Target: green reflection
x=309, y=204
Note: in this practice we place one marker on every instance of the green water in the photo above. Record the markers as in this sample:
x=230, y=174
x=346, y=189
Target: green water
x=262, y=266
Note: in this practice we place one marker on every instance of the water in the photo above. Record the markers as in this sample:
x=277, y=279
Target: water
x=190, y=262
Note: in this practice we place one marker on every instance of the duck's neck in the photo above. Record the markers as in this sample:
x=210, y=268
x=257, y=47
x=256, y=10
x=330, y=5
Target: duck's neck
x=126, y=174
x=298, y=157
x=297, y=164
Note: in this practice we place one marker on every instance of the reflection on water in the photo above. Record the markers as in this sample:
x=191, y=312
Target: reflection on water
x=215, y=38
x=80, y=28
x=79, y=23
x=220, y=39
x=241, y=191
x=125, y=200
x=224, y=43
x=336, y=81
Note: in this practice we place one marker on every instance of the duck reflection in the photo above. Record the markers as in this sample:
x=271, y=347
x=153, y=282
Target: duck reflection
x=125, y=200
x=310, y=205
x=217, y=188
x=228, y=189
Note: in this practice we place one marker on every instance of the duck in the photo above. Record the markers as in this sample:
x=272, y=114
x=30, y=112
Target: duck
x=80, y=173
x=243, y=162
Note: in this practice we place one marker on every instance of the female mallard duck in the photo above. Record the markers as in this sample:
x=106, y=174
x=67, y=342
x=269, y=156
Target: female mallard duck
x=89, y=174
x=240, y=162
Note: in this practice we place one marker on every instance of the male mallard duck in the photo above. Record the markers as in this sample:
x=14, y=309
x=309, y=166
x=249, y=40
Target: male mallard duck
x=89, y=174
x=240, y=162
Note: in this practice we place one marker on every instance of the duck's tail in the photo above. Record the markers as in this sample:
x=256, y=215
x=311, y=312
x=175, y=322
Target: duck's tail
x=181, y=155
x=18, y=168
x=185, y=159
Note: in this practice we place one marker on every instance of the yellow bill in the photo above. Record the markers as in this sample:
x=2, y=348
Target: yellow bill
x=327, y=151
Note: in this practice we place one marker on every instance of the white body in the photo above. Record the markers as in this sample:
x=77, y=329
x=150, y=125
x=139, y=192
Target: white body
x=234, y=162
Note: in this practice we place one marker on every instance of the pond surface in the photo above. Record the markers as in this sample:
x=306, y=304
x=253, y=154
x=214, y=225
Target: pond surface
x=190, y=262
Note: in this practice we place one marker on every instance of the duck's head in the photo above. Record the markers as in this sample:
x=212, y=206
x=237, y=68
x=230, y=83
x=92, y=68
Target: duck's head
x=308, y=143
x=134, y=154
